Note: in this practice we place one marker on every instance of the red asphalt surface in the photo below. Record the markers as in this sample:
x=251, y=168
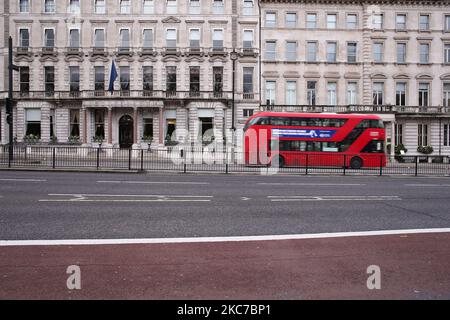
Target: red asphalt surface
x=415, y=266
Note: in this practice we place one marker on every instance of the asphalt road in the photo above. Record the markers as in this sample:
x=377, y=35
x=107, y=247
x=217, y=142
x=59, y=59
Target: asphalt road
x=38, y=206
x=41, y=205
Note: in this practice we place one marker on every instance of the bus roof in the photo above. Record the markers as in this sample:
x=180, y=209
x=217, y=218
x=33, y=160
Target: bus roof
x=317, y=115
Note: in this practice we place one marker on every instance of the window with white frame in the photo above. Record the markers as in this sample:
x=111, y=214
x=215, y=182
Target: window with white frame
x=149, y=6
x=311, y=51
x=194, y=39
x=400, y=94
x=352, y=93
x=424, y=53
x=147, y=78
x=331, y=93
x=351, y=52
x=99, y=38
x=194, y=6
x=311, y=20
x=24, y=38
x=378, y=93
x=171, y=38
x=74, y=38
x=218, y=7
x=247, y=80
x=124, y=40
x=49, y=80
x=446, y=94
x=49, y=6
x=147, y=39
x=74, y=6
x=401, y=52
x=99, y=79
x=424, y=22
x=378, y=52
x=291, y=20
x=125, y=6
x=352, y=21
x=447, y=22
x=171, y=7
x=100, y=6
x=49, y=38
x=398, y=132
x=446, y=52
x=271, y=47
x=377, y=21
x=24, y=81
x=247, y=39
x=74, y=79
x=33, y=122
x=24, y=6
x=424, y=94
x=331, y=51
x=291, y=51
x=446, y=134
x=422, y=134
x=331, y=21
x=247, y=8
x=270, y=92
x=311, y=92
x=271, y=19
x=74, y=126
x=124, y=74
x=217, y=39
x=400, y=21
x=291, y=93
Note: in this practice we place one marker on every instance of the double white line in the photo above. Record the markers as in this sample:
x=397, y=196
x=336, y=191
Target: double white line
x=332, y=198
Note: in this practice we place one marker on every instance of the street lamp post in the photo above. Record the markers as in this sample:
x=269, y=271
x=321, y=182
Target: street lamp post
x=9, y=100
x=233, y=57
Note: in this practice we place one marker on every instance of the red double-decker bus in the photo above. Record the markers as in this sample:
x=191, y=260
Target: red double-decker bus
x=308, y=139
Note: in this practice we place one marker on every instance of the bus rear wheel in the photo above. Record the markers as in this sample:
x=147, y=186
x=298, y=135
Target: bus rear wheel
x=356, y=163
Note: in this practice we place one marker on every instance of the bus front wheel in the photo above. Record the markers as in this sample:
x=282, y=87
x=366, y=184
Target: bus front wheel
x=356, y=163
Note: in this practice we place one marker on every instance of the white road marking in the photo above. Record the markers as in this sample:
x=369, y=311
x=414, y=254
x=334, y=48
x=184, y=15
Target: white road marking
x=333, y=198
x=427, y=185
x=123, y=198
x=25, y=180
x=74, y=242
x=153, y=182
x=309, y=184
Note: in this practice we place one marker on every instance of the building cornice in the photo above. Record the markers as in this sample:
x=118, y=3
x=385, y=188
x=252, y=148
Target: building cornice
x=366, y=2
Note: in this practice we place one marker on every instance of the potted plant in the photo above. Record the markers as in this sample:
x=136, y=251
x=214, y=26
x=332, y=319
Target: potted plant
x=97, y=141
x=74, y=139
x=53, y=140
x=425, y=149
x=400, y=150
x=146, y=141
x=31, y=138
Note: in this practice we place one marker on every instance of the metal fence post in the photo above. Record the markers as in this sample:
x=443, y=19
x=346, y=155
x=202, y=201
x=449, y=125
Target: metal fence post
x=98, y=158
x=381, y=165
x=142, y=159
x=417, y=165
x=226, y=168
x=10, y=152
x=54, y=157
x=129, y=159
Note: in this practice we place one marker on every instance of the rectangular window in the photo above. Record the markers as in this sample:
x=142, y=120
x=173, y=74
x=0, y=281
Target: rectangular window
x=24, y=6
x=291, y=93
x=401, y=52
x=311, y=93
x=247, y=112
x=331, y=51
x=24, y=79
x=378, y=52
x=99, y=82
x=422, y=134
x=352, y=93
x=24, y=38
x=271, y=50
x=74, y=38
x=74, y=130
x=148, y=129
x=171, y=38
x=424, y=22
x=194, y=6
x=147, y=39
x=171, y=6
x=248, y=80
x=424, y=94
x=352, y=21
x=124, y=79
x=33, y=122
x=49, y=80
x=351, y=52
x=49, y=6
x=74, y=79
x=291, y=51
x=400, y=94
x=447, y=23
x=74, y=6
x=271, y=19
x=218, y=81
x=331, y=93
x=270, y=92
x=378, y=93
x=311, y=20
x=248, y=8
x=377, y=21
x=248, y=39
x=100, y=6
x=218, y=40
x=124, y=40
x=125, y=6
x=446, y=94
x=194, y=81
x=171, y=80
x=49, y=38
x=424, y=53
x=331, y=21
x=291, y=20
x=311, y=51
x=446, y=134
x=99, y=123
x=147, y=79
x=194, y=39
x=447, y=53
x=149, y=7
x=99, y=38
x=400, y=21
x=398, y=130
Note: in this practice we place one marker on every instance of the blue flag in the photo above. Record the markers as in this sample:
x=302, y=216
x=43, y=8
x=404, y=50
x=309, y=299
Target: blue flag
x=112, y=77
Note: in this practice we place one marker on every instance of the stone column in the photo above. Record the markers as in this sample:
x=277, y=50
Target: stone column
x=392, y=139
x=161, y=126
x=45, y=123
x=84, y=127
x=135, y=125
x=109, y=139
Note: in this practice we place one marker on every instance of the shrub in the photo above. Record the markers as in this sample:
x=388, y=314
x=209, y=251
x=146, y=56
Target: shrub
x=425, y=149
